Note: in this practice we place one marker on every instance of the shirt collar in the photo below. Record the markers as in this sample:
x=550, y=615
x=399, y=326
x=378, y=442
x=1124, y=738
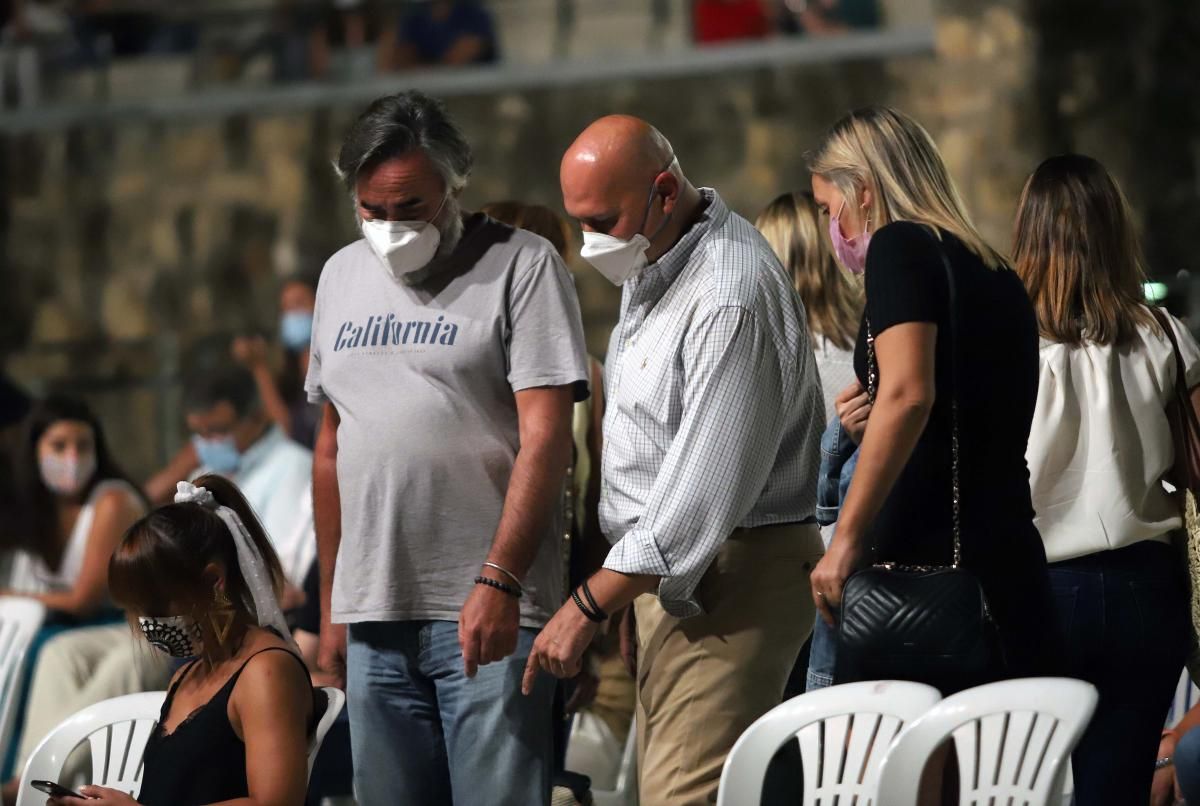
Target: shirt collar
x=654, y=280
x=260, y=450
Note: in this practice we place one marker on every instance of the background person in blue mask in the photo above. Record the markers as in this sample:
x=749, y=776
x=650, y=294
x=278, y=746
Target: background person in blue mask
x=282, y=395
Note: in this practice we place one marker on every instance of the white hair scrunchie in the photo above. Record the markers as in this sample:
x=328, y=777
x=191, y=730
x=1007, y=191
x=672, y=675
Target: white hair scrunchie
x=250, y=559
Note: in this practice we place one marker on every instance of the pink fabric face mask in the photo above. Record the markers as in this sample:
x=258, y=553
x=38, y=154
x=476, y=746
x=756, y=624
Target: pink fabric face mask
x=850, y=252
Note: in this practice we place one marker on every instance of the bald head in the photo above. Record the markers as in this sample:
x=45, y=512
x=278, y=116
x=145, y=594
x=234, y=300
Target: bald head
x=618, y=150
x=620, y=177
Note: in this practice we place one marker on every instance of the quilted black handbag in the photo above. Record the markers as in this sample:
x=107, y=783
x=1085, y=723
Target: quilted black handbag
x=924, y=623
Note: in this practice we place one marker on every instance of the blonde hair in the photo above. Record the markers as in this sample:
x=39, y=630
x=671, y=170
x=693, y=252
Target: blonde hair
x=888, y=152
x=1076, y=250
x=792, y=226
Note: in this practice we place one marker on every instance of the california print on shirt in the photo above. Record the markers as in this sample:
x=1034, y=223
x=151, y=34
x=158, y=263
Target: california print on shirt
x=388, y=331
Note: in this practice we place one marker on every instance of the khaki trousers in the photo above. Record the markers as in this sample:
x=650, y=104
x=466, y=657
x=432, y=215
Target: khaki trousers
x=702, y=681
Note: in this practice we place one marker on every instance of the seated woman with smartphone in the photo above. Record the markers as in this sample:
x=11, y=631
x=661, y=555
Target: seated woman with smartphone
x=202, y=581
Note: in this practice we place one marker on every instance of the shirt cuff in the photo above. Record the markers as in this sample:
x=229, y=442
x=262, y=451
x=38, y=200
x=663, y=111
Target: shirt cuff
x=577, y=382
x=316, y=396
x=638, y=553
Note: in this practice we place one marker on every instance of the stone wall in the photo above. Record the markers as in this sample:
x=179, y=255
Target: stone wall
x=169, y=235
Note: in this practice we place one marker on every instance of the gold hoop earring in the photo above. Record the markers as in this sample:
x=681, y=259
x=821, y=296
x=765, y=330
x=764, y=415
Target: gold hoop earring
x=222, y=615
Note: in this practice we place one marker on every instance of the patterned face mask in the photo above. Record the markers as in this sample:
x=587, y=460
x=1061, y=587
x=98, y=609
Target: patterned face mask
x=177, y=636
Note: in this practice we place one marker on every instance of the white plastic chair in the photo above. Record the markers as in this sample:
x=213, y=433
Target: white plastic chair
x=117, y=731
x=1013, y=740
x=844, y=732
x=20, y=619
x=625, y=791
x=336, y=701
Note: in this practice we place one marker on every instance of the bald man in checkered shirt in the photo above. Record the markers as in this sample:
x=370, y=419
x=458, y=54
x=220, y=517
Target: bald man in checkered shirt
x=711, y=448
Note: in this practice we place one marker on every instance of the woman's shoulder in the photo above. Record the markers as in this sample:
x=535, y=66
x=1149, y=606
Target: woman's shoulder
x=268, y=659
x=116, y=495
x=905, y=235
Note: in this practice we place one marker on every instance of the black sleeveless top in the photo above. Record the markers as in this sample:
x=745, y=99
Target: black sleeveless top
x=202, y=761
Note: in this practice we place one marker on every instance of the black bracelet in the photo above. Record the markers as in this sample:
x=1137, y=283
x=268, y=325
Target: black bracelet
x=592, y=617
x=592, y=601
x=498, y=585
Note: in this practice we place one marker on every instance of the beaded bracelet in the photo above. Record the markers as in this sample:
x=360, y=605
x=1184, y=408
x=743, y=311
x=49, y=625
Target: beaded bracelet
x=498, y=585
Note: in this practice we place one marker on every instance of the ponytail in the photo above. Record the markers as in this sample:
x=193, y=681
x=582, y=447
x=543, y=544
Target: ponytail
x=161, y=561
x=228, y=495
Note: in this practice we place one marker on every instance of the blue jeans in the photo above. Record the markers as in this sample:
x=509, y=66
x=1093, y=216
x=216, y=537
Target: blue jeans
x=839, y=457
x=423, y=733
x=1187, y=765
x=822, y=657
x=1124, y=614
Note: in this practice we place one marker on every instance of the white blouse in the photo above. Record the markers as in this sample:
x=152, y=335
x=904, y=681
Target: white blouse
x=1100, y=443
x=29, y=574
x=836, y=368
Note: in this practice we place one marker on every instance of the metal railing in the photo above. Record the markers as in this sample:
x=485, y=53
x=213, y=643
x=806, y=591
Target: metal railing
x=238, y=46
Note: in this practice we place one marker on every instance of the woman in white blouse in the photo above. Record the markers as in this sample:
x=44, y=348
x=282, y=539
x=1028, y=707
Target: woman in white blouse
x=1098, y=452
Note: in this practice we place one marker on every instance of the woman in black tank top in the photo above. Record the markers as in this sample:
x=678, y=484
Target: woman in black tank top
x=239, y=715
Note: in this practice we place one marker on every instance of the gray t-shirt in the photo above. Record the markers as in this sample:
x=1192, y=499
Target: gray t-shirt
x=423, y=378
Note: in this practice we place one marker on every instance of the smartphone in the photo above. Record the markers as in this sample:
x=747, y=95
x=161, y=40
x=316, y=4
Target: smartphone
x=55, y=790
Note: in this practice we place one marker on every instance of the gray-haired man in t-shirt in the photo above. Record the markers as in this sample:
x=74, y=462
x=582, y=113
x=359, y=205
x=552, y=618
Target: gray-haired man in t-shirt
x=447, y=351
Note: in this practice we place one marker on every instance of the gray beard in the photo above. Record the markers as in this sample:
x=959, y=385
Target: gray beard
x=450, y=225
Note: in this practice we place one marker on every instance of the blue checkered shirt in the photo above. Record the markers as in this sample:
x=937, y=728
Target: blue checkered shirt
x=714, y=407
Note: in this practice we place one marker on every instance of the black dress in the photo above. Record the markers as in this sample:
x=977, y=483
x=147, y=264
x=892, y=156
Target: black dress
x=202, y=761
x=997, y=392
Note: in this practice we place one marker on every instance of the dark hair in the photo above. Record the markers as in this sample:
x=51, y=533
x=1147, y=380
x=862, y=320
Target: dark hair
x=231, y=384
x=536, y=218
x=396, y=124
x=1076, y=250
x=41, y=534
x=161, y=559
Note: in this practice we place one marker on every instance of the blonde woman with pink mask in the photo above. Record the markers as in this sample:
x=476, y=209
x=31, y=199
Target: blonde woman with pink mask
x=947, y=361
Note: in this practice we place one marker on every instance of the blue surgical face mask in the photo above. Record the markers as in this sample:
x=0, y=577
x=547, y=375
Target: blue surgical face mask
x=295, y=330
x=219, y=454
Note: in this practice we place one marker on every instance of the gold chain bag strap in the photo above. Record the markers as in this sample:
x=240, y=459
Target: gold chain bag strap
x=1185, y=475
x=925, y=623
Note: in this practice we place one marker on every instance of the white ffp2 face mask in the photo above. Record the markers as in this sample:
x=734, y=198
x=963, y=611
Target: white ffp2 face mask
x=617, y=259
x=404, y=246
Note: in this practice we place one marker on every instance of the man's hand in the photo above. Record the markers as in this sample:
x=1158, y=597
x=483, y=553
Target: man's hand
x=331, y=652
x=560, y=646
x=853, y=406
x=292, y=597
x=488, y=627
x=627, y=632
x=250, y=351
x=587, y=684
